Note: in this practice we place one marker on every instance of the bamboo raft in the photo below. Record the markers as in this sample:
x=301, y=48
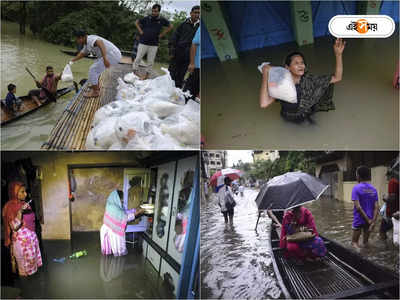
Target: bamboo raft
x=72, y=128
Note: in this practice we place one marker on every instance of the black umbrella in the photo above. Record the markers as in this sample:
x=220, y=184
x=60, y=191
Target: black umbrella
x=289, y=190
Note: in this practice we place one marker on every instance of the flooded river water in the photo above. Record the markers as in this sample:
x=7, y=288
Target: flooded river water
x=20, y=51
x=236, y=260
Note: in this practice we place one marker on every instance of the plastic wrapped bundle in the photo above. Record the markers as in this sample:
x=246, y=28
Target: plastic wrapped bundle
x=67, y=74
x=163, y=108
x=113, y=109
x=183, y=130
x=130, y=77
x=281, y=85
x=132, y=124
x=125, y=91
x=163, y=84
x=103, y=135
x=139, y=143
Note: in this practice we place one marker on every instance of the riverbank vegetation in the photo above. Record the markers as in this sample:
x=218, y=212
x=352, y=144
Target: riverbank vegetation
x=55, y=21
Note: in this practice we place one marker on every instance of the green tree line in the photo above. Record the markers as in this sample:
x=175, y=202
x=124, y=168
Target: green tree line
x=55, y=21
x=288, y=161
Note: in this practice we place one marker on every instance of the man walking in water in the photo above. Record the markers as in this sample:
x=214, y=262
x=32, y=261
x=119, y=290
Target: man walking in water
x=365, y=198
x=107, y=55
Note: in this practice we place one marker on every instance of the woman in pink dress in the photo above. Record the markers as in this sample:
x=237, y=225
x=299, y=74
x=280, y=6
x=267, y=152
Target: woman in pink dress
x=112, y=233
x=292, y=220
x=19, y=227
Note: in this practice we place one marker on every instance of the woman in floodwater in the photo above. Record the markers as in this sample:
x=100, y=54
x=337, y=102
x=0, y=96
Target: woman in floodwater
x=314, y=93
x=112, y=233
x=19, y=228
x=294, y=220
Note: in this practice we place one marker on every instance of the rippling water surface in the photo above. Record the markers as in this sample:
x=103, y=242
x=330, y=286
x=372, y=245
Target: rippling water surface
x=236, y=260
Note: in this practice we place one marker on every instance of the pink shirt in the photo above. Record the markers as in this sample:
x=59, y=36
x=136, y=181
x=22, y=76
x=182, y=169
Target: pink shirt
x=29, y=221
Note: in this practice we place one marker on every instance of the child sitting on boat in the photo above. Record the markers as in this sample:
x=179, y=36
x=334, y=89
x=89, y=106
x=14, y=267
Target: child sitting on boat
x=13, y=103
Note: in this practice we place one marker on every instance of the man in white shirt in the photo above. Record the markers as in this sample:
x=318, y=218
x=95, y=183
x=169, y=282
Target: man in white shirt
x=107, y=55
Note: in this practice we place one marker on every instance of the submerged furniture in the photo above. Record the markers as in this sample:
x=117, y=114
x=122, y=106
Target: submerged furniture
x=171, y=239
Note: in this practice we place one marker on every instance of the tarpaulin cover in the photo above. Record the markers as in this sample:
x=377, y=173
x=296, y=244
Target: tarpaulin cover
x=258, y=24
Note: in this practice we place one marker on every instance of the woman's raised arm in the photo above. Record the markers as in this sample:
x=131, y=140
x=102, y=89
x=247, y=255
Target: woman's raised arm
x=338, y=48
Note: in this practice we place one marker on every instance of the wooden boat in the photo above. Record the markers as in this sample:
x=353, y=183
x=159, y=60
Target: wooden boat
x=75, y=53
x=342, y=273
x=29, y=106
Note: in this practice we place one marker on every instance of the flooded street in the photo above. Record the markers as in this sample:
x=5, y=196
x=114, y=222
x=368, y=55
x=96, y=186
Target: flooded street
x=232, y=118
x=236, y=261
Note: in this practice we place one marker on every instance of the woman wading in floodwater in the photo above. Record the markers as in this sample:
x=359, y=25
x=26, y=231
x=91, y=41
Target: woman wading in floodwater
x=314, y=93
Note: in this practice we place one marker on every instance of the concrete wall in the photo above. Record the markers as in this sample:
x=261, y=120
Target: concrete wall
x=54, y=167
x=93, y=188
x=378, y=180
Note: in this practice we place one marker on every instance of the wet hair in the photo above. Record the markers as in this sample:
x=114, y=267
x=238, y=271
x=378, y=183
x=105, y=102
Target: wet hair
x=227, y=180
x=49, y=68
x=11, y=86
x=288, y=59
x=157, y=6
x=195, y=7
x=80, y=33
x=363, y=173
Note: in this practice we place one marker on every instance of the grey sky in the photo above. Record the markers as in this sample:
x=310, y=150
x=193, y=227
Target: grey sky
x=180, y=5
x=235, y=155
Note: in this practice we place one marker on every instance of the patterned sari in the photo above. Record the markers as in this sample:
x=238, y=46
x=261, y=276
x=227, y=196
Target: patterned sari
x=20, y=234
x=311, y=248
x=112, y=233
x=314, y=93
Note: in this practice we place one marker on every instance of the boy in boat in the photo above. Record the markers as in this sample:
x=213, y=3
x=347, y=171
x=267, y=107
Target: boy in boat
x=47, y=87
x=107, y=55
x=365, y=212
x=13, y=103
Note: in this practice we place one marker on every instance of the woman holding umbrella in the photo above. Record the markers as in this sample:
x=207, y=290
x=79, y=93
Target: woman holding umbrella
x=226, y=201
x=300, y=219
x=288, y=192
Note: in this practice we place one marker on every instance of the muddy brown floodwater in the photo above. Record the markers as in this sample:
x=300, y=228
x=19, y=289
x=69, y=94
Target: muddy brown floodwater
x=367, y=106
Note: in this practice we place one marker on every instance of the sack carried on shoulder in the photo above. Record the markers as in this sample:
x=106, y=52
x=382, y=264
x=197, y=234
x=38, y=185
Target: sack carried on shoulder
x=301, y=236
x=230, y=203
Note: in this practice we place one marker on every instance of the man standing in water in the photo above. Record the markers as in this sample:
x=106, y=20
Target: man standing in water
x=180, y=44
x=149, y=29
x=392, y=203
x=107, y=55
x=365, y=198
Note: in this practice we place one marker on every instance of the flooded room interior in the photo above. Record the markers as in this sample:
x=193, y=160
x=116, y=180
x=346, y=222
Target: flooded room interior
x=70, y=195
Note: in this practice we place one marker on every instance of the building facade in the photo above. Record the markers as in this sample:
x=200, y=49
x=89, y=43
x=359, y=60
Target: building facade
x=213, y=161
x=271, y=155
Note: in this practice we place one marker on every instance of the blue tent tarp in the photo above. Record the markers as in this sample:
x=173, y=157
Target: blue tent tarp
x=259, y=24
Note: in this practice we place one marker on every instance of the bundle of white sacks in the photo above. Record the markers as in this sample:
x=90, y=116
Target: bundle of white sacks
x=147, y=115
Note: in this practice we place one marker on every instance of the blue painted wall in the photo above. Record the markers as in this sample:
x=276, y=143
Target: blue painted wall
x=258, y=24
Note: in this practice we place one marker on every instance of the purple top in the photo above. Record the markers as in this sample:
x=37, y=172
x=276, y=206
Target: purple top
x=366, y=194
